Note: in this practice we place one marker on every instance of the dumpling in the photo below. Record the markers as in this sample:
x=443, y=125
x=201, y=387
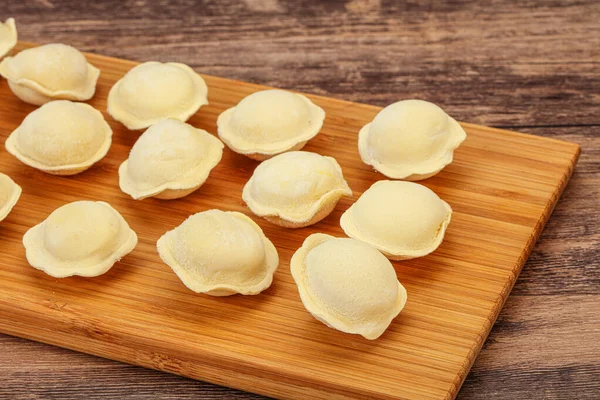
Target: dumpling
x=8, y=36
x=270, y=122
x=410, y=140
x=170, y=160
x=81, y=238
x=220, y=253
x=347, y=285
x=61, y=138
x=53, y=71
x=295, y=189
x=9, y=195
x=153, y=91
x=402, y=219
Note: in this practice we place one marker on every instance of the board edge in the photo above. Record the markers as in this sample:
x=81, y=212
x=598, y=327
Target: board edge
x=516, y=271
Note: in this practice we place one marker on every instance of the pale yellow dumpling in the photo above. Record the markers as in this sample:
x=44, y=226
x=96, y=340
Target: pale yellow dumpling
x=220, y=253
x=81, y=238
x=170, y=160
x=53, y=71
x=410, y=140
x=61, y=138
x=295, y=189
x=153, y=91
x=8, y=36
x=402, y=219
x=9, y=195
x=270, y=122
x=347, y=284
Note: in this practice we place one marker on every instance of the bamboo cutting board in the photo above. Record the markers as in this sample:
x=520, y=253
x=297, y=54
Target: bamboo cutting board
x=502, y=187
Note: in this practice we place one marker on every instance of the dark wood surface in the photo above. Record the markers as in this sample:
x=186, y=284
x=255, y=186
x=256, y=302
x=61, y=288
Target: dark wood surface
x=522, y=65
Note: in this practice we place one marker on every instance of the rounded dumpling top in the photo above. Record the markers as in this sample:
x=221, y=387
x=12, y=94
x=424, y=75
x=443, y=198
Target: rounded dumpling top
x=138, y=91
x=269, y=122
x=81, y=238
x=295, y=186
x=170, y=155
x=63, y=229
x=203, y=245
x=402, y=219
x=61, y=137
x=347, y=284
x=8, y=36
x=410, y=139
x=270, y=116
x=369, y=287
x=9, y=195
x=61, y=132
x=409, y=132
x=53, y=71
x=220, y=253
x=153, y=91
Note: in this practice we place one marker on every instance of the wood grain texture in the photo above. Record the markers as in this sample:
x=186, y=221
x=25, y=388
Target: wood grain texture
x=523, y=65
x=502, y=187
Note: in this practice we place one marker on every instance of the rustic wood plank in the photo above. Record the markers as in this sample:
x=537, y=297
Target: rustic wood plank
x=529, y=348
x=514, y=65
x=490, y=63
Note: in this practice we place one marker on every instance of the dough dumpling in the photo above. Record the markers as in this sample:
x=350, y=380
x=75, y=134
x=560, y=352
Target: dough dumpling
x=410, y=140
x=295, y=189
x=402, y=219
x=153, y=91
x=9, y=195
x=170, y=160
x=81, y=238
x=8, y=36
x=53, y=71
x=220, y=253
x=347, y=284
x=61, y=138
x=270, y=122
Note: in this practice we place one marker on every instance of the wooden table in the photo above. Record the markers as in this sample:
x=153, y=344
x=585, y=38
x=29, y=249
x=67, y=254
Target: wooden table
x=513, y=65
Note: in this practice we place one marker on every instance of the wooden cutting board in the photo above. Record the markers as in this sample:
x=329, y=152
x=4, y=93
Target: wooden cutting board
x=502, y=186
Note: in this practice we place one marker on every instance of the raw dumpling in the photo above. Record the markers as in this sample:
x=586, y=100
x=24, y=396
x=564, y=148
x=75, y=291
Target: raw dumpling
x=410, y=140
x=170, y=160
x=270, y=122
x=81, y=238
x=220, y=253
x=153, y=91
x=9, y=195
x=295, y=189
x=347, y=284
x=8, y=36
x=53, y=71
x=61, y=138
x=402, y=219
